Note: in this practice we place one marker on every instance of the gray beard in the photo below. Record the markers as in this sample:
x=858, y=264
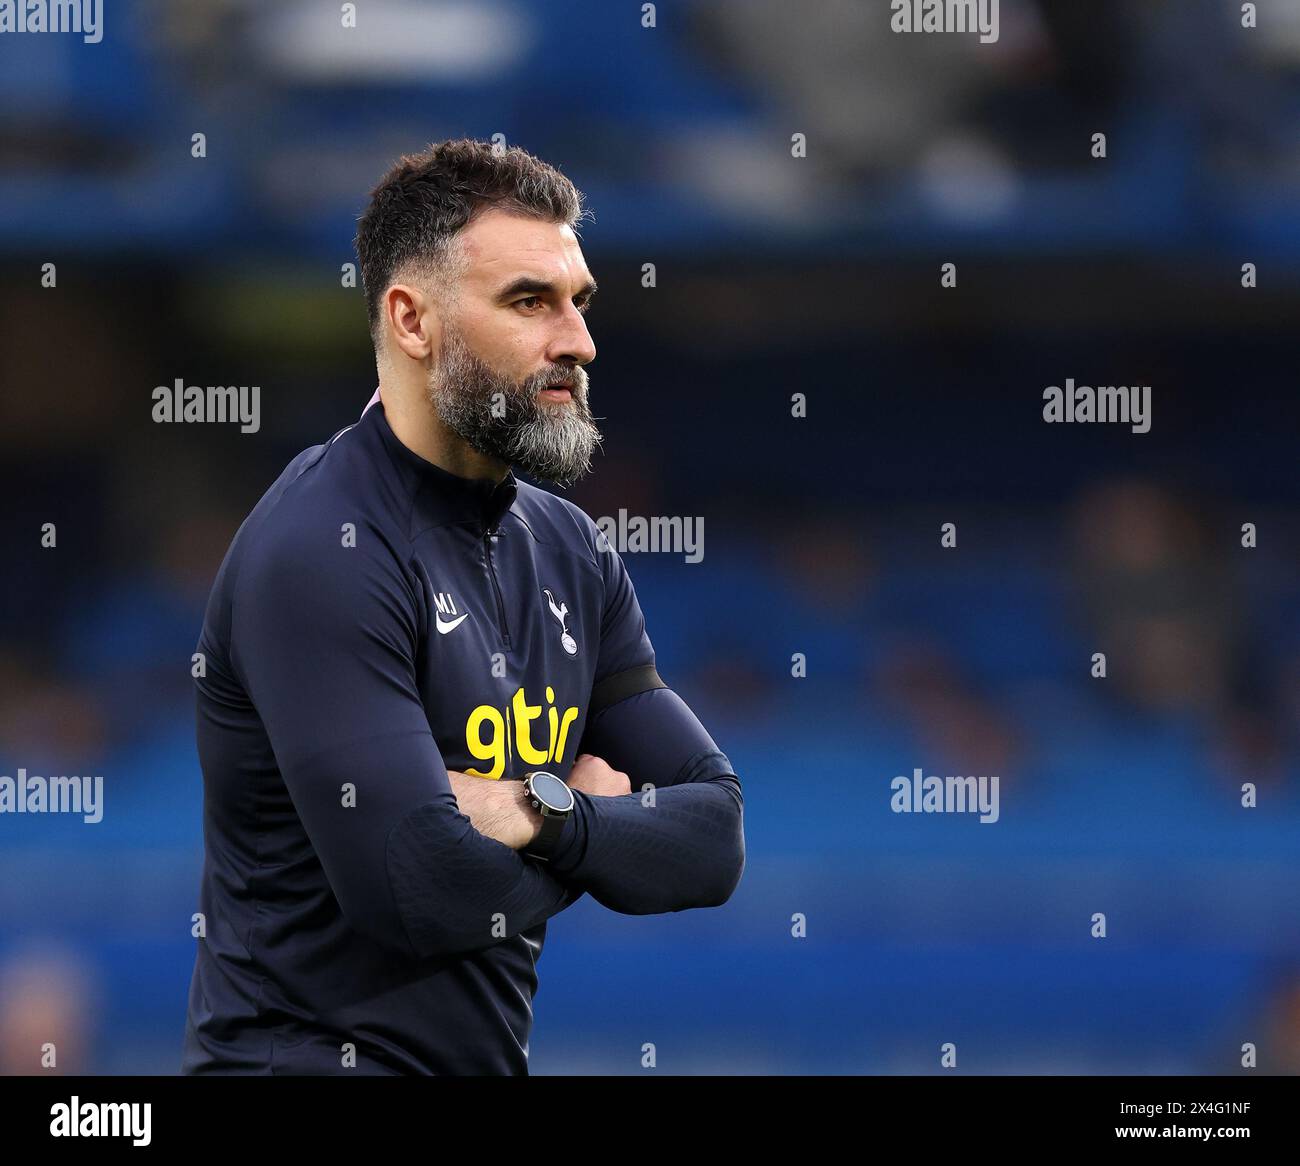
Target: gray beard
x=500, y=419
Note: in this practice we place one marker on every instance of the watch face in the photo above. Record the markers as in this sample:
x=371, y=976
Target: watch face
x=552, y=792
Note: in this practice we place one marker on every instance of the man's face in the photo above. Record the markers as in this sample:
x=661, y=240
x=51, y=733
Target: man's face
x=509, y=378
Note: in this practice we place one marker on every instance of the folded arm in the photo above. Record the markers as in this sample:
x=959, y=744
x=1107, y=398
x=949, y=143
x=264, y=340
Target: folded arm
x=677, y=840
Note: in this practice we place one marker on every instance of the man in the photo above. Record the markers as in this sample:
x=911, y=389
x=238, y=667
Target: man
x=408, y=654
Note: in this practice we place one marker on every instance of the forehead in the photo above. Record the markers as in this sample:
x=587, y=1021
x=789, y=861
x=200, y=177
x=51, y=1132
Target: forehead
x=500, y=246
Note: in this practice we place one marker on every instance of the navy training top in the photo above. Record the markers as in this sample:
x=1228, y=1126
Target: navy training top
x=376, y=622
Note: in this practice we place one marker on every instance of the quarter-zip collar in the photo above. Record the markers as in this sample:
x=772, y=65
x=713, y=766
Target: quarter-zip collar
x=440, y=497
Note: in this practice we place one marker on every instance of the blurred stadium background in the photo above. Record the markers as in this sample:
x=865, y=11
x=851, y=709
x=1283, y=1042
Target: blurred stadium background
x=774, y=275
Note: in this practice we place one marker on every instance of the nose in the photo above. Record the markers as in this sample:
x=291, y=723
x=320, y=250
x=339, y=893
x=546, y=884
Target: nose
x=572, y=343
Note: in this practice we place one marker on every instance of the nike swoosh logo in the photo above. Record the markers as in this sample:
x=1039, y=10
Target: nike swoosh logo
x=450, y=625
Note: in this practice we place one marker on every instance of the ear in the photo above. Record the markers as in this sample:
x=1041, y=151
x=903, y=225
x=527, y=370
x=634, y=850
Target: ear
x=412, y=320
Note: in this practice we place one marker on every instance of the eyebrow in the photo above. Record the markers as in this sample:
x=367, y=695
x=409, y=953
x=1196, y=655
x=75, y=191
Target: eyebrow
x=529, y=285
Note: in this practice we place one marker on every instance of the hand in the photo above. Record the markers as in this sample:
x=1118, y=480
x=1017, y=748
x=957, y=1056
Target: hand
x=496, y=809
x=591, y=775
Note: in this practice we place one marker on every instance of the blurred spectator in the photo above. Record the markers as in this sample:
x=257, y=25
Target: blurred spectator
x=49, y=1003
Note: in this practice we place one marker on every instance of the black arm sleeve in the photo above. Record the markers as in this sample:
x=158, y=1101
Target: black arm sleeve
x=676, y=846
x=324, y=638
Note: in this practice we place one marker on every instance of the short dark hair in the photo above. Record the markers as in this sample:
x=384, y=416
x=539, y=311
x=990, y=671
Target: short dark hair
x=426, y=198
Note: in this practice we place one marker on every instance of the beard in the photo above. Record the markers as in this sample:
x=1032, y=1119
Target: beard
x=552, y=440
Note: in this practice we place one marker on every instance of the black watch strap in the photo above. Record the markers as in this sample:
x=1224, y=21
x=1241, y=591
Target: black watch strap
x=543, y=846
x=548, y=838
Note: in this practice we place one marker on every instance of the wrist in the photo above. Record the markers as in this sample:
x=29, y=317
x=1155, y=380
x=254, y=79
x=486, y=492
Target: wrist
x=531, y=817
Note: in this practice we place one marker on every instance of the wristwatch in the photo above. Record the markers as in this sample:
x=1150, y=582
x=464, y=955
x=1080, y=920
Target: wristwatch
x=554, y=800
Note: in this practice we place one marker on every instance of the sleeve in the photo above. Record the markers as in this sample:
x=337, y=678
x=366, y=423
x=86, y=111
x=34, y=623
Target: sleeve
x=677, y=841
x=324, y=640
x=625, y=663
